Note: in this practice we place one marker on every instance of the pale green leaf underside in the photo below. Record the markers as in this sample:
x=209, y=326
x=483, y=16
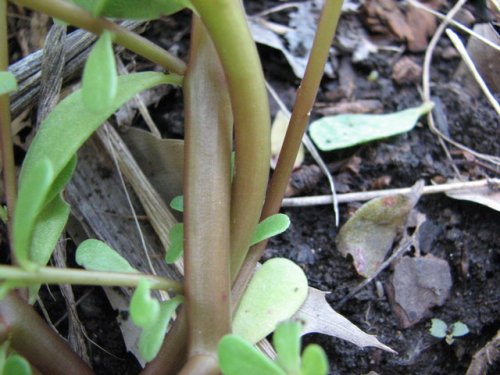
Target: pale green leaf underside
x=95, y=255
x=99, y=80
x=144, y=309
x=8, y=83
x=152, y=336
x=239, y=357
x=341, y=131
x=134, y=9
x=438, y=328
x=275, y=293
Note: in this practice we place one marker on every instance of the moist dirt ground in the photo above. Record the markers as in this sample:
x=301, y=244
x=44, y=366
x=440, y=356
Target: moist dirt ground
x=464, y=234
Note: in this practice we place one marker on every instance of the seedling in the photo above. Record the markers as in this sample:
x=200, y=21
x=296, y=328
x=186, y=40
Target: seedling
x=441, y=330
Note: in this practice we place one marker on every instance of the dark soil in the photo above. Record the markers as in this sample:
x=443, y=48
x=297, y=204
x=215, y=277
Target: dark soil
x=462, y=233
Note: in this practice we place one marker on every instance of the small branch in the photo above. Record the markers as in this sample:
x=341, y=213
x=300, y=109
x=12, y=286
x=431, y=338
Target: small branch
x=470, y=64
x=52, y=275
x=367, y=195
x=78, y=17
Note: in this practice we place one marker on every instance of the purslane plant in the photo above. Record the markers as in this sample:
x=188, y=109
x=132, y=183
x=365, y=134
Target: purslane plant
x=225, y=100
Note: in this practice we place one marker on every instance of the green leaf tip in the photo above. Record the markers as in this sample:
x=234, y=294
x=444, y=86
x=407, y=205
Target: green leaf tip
x=152, y=336
x=176, y=249
x=239, y=357
x=8, y=83
x=286, y=342
x=144, y=310
x=341, y=131
x=314, y=361
x=275, y=293
x=100, y=79
x=177, y=203
x=269, y=227
x=96, y=255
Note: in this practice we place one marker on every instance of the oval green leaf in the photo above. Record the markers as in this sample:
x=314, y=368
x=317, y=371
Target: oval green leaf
x=275, y=293
x=177, y=203
x=314, y=361
x=286, y=342
x=16, y=365
x=269, y=227
x=438, y=328
x=459, y=329
x=176, y=249
x=144, y=310
x=341, y=131
x=8, y=83
x=96, y=255
x=239, y=357
x=152, y=336
x=31, y=199
x=100, y=79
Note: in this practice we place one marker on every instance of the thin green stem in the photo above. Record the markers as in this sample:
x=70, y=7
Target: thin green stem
x=52, y=275
x=226, y=23
x=78, y=17
x=207, y=194
x=6, y=146
x=306, y=95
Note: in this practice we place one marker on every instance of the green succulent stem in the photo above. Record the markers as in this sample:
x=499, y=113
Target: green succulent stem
x=52, y=275
x=306, y=95
x=207, y=195
x=6, y=146
x=225, y=21
x=78, y=17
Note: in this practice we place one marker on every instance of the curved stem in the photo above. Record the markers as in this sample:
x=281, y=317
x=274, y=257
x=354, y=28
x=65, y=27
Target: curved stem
x=306, y=94
x=78, y=17
x=225, y=21
x=52, y=275
x=32, y=338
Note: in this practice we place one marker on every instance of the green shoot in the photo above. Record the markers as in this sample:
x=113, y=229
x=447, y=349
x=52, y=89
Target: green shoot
x=314, y=361
x=440, y=330
x=286, y=341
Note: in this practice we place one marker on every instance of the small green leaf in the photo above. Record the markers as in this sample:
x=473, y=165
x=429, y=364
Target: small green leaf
x=275, y=293
x=152, y=336
x=341, y=131
x=133, y=9
x=48, y=228
x=177, y=203
x=176, y=237
x=239, y=357
x=32, y=196
x=459, y=329
x=269, y=227
x=62, y=179
x=286, y=341
x=100, y=79
x=16, y=365
x=96, y=255
x=8, y=83
x=144, y=310
x=438, y=328
x=314, y=361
